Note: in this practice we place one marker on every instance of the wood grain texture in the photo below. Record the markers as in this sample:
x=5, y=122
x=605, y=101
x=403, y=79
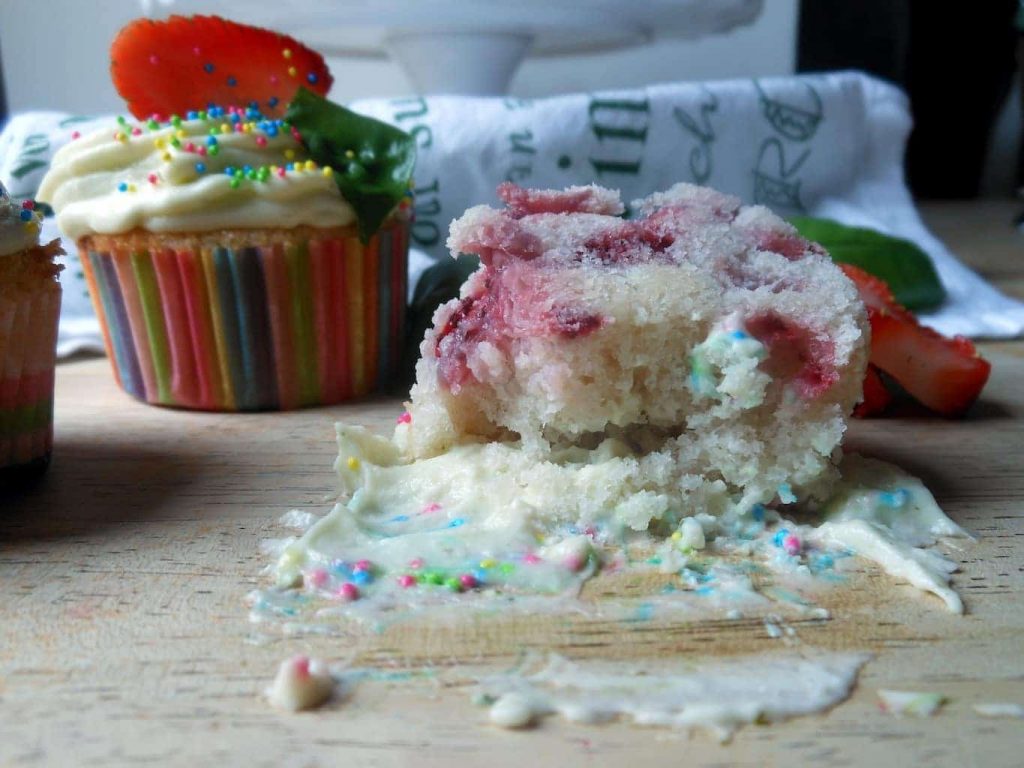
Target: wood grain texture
x=125, y=639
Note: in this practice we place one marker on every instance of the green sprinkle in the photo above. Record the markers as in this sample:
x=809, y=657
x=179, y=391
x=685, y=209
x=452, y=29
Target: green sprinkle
x=235, y=183
x=174, y=142
x=433, y=577
x=202, y=114
x=507, y=568
x=214, y=150
x=121, y=120
x=175, y=121
x=453, y=584
x=152, y=124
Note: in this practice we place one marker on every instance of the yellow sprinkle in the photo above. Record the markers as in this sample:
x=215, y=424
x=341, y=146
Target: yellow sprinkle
x=225, y=128
x=159, y=143
x=247, y=127
x=180, y=133
x=131, y=187
x=293, y=71
x=287, y=53
x=353, y=463
x=120, y=137
x=676, y=536
x=275, y=168
x=310, y=165
x=289, y=154
x=31, y=226
x=328, y=171
x=349, y=154
x=288, y=557
x=166, y=157
x=488, y=563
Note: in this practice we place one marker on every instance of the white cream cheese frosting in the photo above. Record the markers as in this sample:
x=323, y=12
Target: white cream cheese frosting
x=191, y=175
x=18, y=230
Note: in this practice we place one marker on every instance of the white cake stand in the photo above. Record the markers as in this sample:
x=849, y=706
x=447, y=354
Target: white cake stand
x=473, y=46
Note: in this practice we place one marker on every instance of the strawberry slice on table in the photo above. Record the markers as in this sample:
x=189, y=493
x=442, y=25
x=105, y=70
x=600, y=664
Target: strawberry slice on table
x=877, y=396
x=943, y=374
x=187, y=63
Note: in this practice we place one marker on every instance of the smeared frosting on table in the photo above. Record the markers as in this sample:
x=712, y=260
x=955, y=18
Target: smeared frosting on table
x=720, y=697
x=486, y=525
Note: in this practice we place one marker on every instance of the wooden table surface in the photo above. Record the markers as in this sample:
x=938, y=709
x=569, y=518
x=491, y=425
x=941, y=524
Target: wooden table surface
x=125, y=639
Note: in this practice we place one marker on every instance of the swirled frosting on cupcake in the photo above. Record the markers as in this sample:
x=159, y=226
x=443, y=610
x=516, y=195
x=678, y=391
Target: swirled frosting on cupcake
x=19, y=225
x=222, y=168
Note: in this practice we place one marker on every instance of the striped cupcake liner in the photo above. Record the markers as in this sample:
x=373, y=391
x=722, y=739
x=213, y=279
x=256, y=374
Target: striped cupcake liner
x=28, y=342
x=291, y=324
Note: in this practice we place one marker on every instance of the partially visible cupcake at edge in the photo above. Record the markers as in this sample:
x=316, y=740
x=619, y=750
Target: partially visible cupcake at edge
x=246, y=257
x=29, y=312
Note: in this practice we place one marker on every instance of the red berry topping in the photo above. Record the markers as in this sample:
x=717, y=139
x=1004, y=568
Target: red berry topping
x=185, y=63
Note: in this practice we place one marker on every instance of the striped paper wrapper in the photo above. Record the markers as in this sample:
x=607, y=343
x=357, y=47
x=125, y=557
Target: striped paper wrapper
x=280, y=322
x=28, y=341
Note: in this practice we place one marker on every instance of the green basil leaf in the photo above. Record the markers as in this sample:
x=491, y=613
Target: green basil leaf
x=900, y=263
x=372, y=161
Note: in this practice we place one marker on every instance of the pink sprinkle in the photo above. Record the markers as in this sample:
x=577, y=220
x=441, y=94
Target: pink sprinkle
x=196, y=50
x=301, y=666
x=405, y=580
x=362, y=565
x=405, y=418
x=156, y=116
x=152, y=178
x=190, y=147
x=574, y=563
x=202, y=150
x=792, y=544
x=416, y=563
x=273, y=79
x=153, y=58
x=467, y=580
x=531, y=559
x=317, y=577
x=239, y=128
x=281, y=171
x=136, y=131
x=348, y=591
x=296, y=134
x=431, y=508
x=27, y=205
x=76, y=134
x=261, y=141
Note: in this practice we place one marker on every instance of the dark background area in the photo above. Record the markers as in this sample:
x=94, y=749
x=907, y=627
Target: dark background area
x=956, y=61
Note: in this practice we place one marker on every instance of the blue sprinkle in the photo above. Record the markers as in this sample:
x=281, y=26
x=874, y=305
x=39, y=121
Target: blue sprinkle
x=896, y=499
x=229, y=171
x=456, y=523
x=200, y=167
x=738, y=335
x=480, y=575
x=290, y=167
x=122, y=187
x=191, y=115
x=26, y=215
x=211, y=141
x=246, y=168
x=235, y=117
x=209, y=68
x=272, y=102
x=232, y=82
x=254, y=104
x=704, y=591
x=362, y=577
x=341, y=567
x=312, y=78
x=271, y=130
x=758, y=512
x=398, y=519
x=779, y=536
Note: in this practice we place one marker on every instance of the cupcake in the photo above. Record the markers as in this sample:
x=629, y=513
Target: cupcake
x=29, y=311
x=239, y=257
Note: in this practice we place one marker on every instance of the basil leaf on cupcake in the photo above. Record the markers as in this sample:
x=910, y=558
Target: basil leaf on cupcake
x=372, y=161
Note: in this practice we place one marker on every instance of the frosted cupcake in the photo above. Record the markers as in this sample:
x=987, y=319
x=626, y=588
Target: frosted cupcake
x=29, y=311
x=240, y=258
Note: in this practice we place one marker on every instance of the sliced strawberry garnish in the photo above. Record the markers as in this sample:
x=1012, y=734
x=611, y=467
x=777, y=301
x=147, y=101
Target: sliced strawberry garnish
x=187, y=63
x=944, y=374
x=876, y=395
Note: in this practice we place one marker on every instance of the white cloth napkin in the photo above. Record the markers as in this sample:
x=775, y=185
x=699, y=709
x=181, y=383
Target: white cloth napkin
x=829, y=145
